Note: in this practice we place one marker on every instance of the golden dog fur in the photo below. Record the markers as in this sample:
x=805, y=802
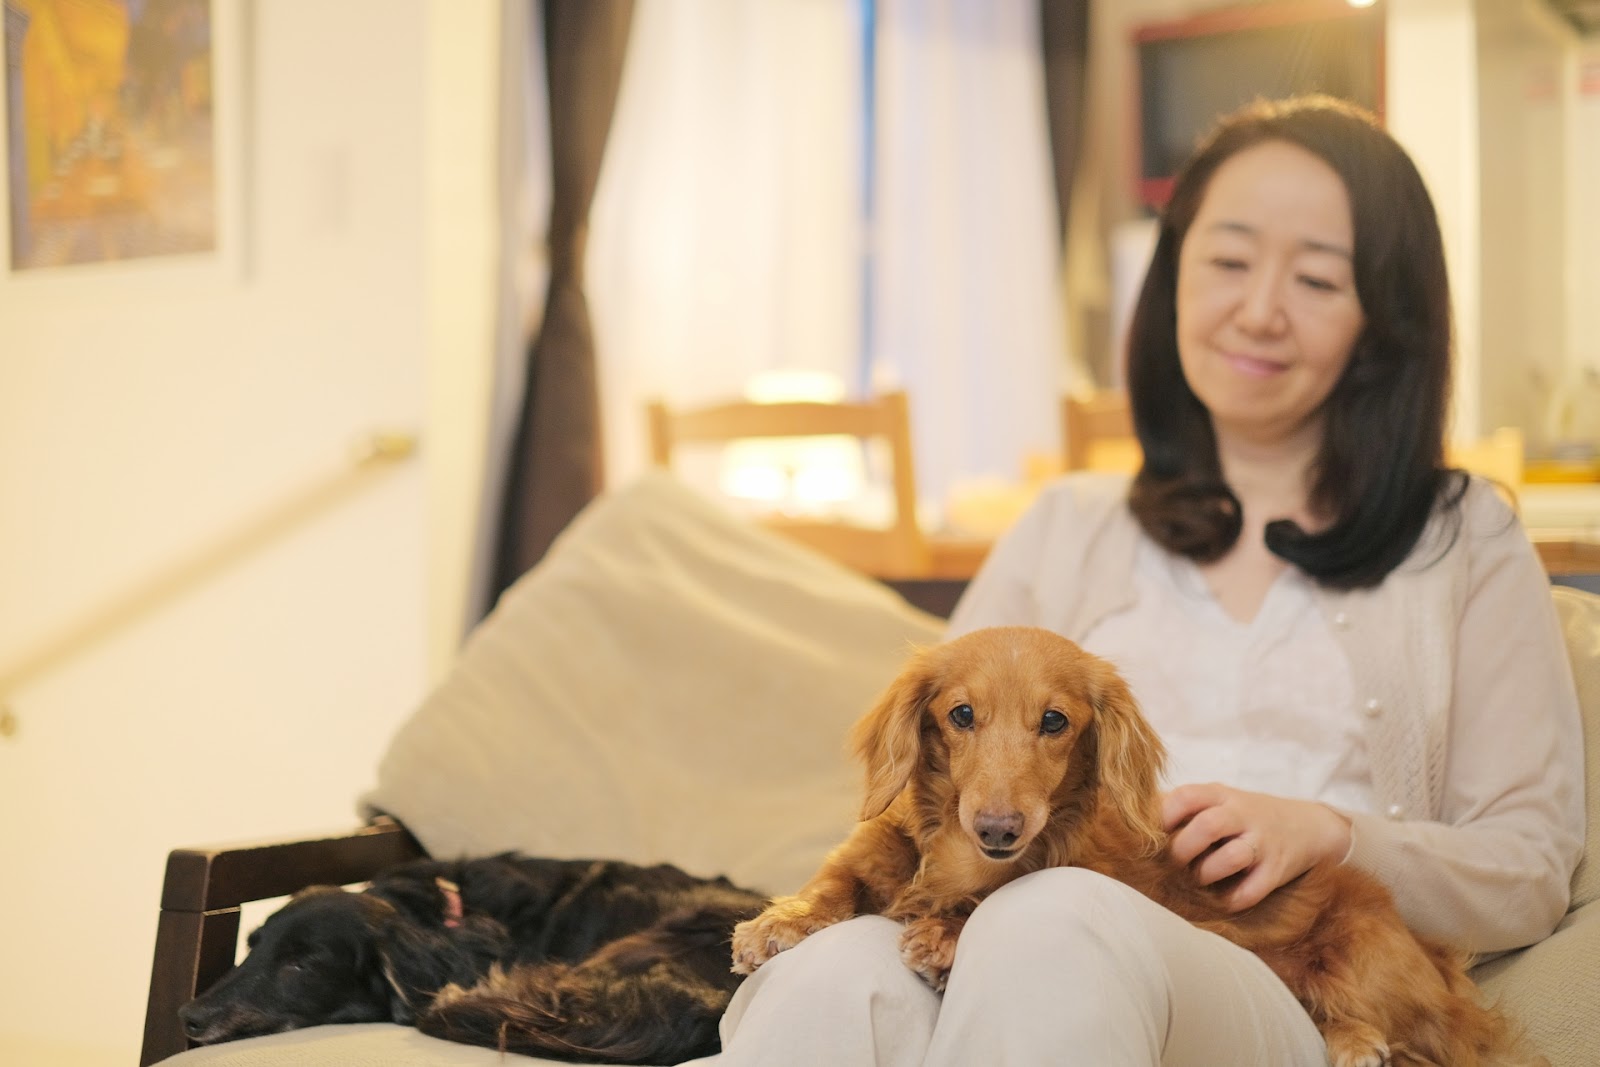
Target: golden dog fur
x=1010, y=750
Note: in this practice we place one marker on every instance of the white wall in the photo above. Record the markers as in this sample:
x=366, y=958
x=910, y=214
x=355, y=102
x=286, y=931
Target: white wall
x=1583, y=209
x=144, y=411
x=1523, y=107
x=462, y=229
x=1431, y=95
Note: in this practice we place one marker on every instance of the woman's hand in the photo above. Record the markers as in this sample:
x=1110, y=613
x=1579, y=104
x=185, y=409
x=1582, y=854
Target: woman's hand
x=1270, y=839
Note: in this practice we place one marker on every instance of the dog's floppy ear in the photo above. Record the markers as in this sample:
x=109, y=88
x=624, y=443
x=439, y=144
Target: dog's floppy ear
x=887, y=739
x=414, y=962
x=418, y=961
x=1130, y=757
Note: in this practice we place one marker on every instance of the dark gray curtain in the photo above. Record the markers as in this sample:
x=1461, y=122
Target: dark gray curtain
x=555, y=464
x=1064, y=26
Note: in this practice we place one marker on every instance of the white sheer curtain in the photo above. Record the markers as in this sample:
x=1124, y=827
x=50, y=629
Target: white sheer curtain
x=725, y=233
x=967, y=299
x=523, y=191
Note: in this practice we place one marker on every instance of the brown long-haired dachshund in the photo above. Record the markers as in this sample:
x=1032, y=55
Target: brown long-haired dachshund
x=1010, y=750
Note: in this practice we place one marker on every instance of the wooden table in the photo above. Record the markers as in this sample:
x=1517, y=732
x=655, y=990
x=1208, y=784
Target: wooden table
x=1563, y=552
x=1563, y=520
x=1566, y=554
x=954, y=560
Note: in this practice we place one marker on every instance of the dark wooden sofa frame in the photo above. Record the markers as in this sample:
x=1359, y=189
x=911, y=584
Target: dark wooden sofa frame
x=198, y=930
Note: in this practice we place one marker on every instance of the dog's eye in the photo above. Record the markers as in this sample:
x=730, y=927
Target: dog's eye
x=961, y=716
x=1053, y=722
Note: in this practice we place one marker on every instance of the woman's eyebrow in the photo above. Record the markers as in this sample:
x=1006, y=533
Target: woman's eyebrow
x=1324, y=246
x=1310, y=244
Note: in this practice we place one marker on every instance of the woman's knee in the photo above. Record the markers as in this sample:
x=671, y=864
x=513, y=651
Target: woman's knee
x=1057, y=905
x=842, y=996
x=853, y=959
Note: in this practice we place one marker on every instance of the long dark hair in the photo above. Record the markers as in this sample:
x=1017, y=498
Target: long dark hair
x=1380, y=470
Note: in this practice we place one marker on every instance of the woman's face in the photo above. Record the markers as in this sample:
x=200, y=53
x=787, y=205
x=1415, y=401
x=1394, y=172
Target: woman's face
x=1267, y=306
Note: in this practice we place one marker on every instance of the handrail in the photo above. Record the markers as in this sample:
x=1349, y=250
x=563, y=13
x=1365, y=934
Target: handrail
x=371, y=454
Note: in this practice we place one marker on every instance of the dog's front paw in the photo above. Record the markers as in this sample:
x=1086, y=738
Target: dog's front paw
x=786, y=922
x=928, y=947
x=1355, y=1044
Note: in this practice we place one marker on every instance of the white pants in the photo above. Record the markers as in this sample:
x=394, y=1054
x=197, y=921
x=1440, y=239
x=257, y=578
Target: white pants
x=1061, y=966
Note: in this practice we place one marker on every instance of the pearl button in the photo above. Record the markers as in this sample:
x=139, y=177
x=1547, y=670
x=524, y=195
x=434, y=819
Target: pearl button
x=1395, y=811
x=1341, y=620
x=1373, y=708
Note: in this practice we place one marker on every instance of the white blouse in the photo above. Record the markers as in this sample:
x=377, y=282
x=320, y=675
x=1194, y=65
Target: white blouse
x=1199, y=674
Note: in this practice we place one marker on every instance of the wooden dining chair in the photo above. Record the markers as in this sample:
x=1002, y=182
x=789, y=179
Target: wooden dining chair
x=1098, y=431
x=898, y=550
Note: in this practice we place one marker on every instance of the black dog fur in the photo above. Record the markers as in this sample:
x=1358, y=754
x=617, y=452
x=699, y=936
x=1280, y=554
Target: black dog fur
x=592, y=960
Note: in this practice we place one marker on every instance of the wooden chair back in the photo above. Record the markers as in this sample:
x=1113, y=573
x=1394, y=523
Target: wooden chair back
x=1097, y=429
x=899, y=550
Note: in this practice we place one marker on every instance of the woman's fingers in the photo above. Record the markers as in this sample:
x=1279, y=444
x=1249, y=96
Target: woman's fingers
x=1186, y=801
x=1234, y=856
x=1265, y=840
x=1253, y=888
x=1199, y=817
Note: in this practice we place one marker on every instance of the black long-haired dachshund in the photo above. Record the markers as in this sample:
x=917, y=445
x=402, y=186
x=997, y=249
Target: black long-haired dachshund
x=592, y=960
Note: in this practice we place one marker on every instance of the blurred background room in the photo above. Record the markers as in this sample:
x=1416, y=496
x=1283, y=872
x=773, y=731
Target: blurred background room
x=319, y=318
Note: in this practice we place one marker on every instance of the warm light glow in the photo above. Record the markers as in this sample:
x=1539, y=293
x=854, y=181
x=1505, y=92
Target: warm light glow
x=1362, y=3
x=805, y=476
x=789, y=386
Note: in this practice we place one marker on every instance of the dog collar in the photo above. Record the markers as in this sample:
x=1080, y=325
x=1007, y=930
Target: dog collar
x=452, y=901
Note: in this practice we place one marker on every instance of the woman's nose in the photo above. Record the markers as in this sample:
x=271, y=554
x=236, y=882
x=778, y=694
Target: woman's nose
x=1261, y=307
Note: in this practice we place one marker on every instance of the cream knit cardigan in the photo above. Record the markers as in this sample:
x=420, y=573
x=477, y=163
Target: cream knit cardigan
x=1473, y=730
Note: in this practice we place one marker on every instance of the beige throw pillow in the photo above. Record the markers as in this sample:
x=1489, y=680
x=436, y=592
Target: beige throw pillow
x=672, y=683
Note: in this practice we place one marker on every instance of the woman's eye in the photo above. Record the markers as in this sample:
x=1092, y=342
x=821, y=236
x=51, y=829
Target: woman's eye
x=1320, y=284
x=1227, y=263
x=1052, y=722
x=961, y=716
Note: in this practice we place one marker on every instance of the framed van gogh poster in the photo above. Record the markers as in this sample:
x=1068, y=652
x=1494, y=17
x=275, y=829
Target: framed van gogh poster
x=114, y=140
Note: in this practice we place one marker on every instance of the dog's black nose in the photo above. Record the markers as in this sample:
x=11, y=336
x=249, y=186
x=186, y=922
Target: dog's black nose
x=194, y=1020
x=998, y=831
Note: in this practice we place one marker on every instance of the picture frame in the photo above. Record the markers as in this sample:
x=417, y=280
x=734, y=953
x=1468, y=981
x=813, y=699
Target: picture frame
x=134, y=165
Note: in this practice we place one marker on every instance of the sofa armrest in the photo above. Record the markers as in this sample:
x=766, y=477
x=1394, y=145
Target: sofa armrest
x=198, y=929
x=1552, y=988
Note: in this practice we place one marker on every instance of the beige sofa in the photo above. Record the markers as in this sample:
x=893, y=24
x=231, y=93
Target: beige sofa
x=674, y=684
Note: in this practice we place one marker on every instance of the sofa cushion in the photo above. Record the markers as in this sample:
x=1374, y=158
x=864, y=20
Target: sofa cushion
x=1580, y=622
x=351, y=1045
x=671, y=683
x=1551, y=989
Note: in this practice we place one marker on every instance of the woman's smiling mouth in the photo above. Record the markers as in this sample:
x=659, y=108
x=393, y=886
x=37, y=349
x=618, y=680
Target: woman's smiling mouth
x=1252, y=366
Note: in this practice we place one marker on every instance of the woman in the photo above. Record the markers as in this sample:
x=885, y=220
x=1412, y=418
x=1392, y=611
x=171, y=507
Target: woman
x=1349, y=649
